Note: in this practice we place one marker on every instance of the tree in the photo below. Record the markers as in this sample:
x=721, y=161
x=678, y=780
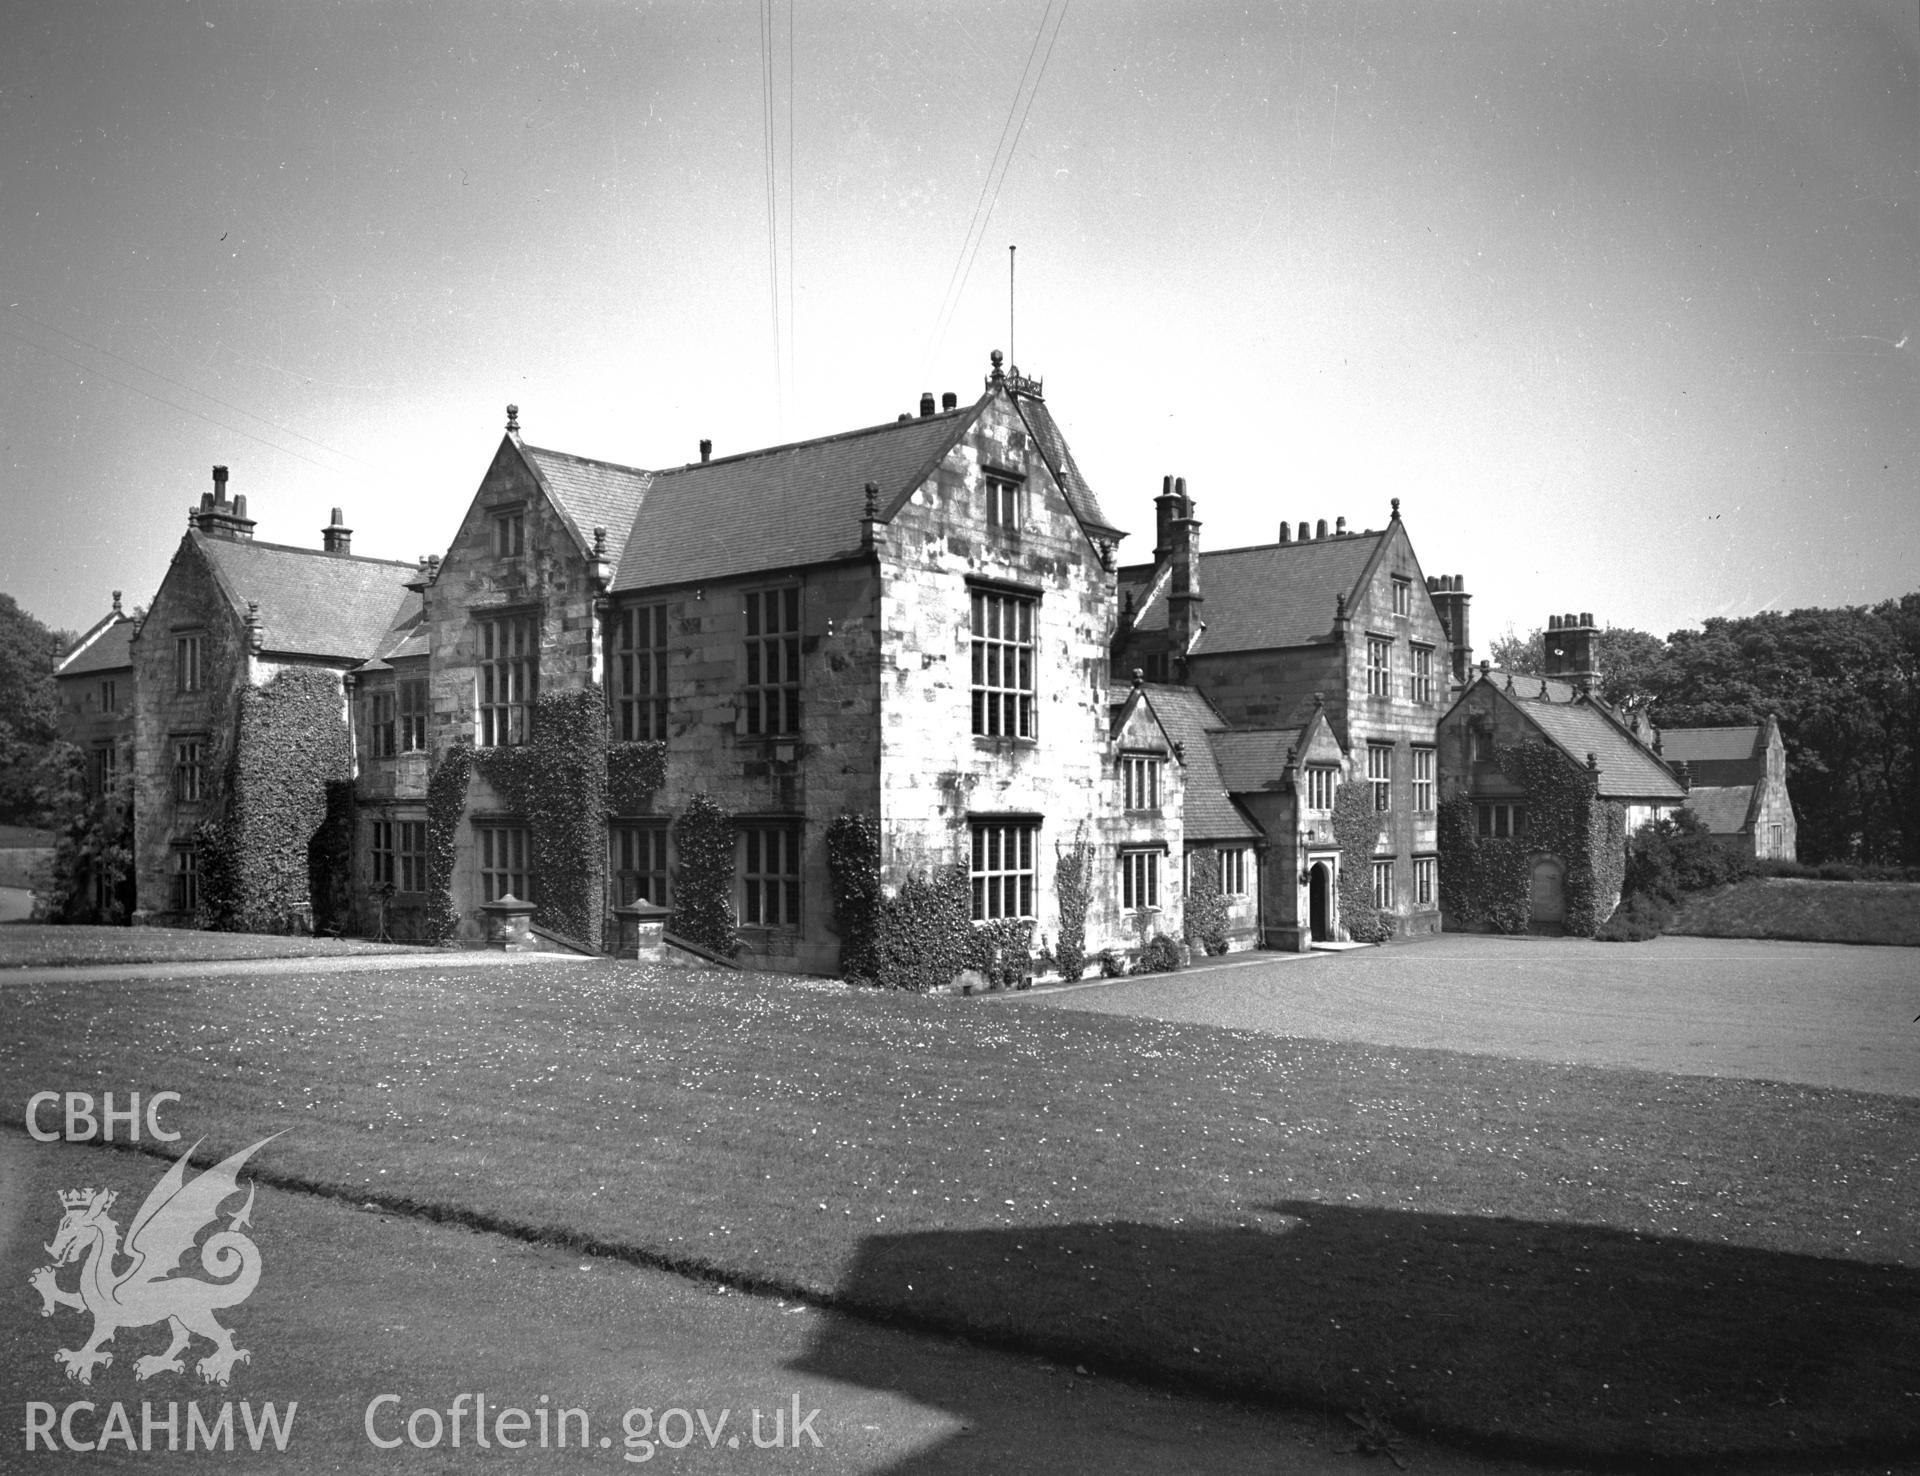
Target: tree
x=29, y=731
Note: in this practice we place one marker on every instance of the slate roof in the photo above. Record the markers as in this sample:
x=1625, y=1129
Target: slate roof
x=593, y=494
x=406, y=637
x=1268, y=596
x=1708, y=745
x=108, y=650
x=1529, y=686
x=1059, y=458
x=1252, y=760
x=1207, y=814
x=1627, y=769
x=1722, y=808
x=781, y=507
x=311, y=603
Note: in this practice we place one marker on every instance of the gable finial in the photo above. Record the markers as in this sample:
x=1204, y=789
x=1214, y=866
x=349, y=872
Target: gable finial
x=1139, y=679
x=116, y=602
x=998, y=376
x=873, y=500
x=513, y=420
x=1319, y=700
x=599, y=543
x=1396, y=509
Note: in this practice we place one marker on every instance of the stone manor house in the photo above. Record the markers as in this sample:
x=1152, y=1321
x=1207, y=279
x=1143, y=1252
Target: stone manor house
x=923, y=621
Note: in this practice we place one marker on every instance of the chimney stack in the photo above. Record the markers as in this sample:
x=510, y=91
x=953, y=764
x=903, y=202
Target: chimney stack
x=1450, y=598
x=219, y=518
x=1572, y=650
x=336, y=537
x=1339, y=527
x=1320, y=529
x=1166, y=507
x=1286, y=531
x=1183, y=596
x=949, y=401
x=706, y=450
x=926, y=402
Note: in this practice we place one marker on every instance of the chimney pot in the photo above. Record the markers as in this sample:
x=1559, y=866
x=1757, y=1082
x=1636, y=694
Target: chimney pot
x=1586, y=617
x=1306, y=530
x=949, y=401
x=706, y=450
x=1320, y=529
x=1340, y=527
x=926, y=402
x=905, y=416
x=336, y=537
x=1286, y=531
x=220, y=480
x=240, y=505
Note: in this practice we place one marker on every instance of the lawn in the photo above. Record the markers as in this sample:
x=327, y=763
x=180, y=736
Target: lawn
x=1805, y=911
x=1557, y=1261
x=25, y=944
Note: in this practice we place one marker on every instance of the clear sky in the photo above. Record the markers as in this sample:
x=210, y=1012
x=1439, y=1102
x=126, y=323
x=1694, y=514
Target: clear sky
x=1618, y=298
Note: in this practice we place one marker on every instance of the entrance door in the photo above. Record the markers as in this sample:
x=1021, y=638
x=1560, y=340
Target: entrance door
x=1320, y=902
x=1549, y=900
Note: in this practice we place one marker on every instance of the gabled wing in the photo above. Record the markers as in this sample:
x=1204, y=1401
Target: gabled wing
x=175, y=1212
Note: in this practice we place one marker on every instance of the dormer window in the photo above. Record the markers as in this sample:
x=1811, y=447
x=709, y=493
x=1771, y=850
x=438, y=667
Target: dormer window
x=1140, y=778
x=1402, y=596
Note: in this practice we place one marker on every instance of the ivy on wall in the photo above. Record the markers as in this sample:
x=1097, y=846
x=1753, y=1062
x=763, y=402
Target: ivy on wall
x=90, y=879
x=926, y=931
x=703, y=880
x=291, y=742
x=1072, y=870
x=853, y=867
x=446, y=803
x=558, y=781
x=1487, y=881
x=1356, y=829
x=330, y=861
x=1207, y=914
x=635, y=773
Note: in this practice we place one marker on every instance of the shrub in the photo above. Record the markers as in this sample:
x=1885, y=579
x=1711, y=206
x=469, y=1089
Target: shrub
x=1670, y=857
x=1160, y=956
x=1207, y=907
x=1113, y=964
x=1002, y=950
x=1638, y=918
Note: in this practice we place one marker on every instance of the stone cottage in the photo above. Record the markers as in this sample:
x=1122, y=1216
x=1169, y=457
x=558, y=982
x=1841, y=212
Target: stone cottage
x=93, y=681
x=1736, y=780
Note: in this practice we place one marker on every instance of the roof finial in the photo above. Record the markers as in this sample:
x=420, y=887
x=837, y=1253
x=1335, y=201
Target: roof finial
x=1139, y=679
x=873, y=500
x=1319, y=699
x=513, y=420
x=116, y=602
x=998, y=376
x=1396, y=509
x=599, y=543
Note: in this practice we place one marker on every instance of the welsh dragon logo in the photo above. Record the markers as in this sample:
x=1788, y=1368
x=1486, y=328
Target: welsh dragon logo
x=148, y=1290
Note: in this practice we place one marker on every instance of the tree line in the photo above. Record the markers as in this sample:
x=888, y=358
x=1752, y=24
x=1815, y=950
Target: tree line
x=1844, y=683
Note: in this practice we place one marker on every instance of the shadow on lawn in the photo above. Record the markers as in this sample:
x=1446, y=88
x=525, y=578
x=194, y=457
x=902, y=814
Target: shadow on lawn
x=1549, y=1341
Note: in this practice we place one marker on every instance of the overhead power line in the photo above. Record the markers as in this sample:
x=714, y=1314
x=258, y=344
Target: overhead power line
x=98, y=373
x=1003, y=155
x=284, y=430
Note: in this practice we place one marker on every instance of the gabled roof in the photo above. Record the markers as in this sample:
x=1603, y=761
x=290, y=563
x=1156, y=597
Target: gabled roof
x=1268, y=596
x=407, y=635
x=1252, y=760
x=1723, y=809
x=1708, y=745
x=781, y=507
x=1059, y=458
x=1207, y=813
x=1628, y=769
x=103, y=648
x=311, y=603
x=592, y=494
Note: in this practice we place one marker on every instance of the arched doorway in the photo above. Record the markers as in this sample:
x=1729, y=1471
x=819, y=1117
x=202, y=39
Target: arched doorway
x=1548, y=893
x=1320, y=902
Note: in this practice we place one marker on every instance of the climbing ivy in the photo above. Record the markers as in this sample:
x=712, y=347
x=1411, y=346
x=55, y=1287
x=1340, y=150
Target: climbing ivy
x=1070, y=883
x=635, y=773
x=853, y=866
x=290, y=743
x=1356, y=829
x=703, y=881
x=90, y=879
x=925, y=933
x=557, y=780
x=1486, y=882
x=1207, y=914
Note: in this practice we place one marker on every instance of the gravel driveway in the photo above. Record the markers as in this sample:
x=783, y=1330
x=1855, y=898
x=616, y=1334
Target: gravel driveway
x=1815, y=1013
